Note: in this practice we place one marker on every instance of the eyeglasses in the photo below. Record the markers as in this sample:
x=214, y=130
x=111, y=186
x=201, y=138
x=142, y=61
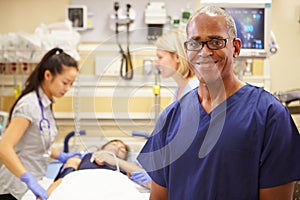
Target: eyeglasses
x=214, y=44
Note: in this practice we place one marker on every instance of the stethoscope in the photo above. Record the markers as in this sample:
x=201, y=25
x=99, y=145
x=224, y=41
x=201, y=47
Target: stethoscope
x=44, y=126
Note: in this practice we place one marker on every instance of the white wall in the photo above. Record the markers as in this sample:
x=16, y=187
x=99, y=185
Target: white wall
x=18, y=15
x=25, y=16
x=102, y=30
x=285, y=65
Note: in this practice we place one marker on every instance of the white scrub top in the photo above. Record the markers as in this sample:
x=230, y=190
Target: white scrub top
x=33, y=145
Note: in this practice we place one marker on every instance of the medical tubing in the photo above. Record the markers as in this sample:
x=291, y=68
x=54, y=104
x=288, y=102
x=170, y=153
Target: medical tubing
x=118, y=42
x=78, y=132
x=126, y=57
x=129, y=67
x=2, y=87
x=2, y=96
x=78, y=136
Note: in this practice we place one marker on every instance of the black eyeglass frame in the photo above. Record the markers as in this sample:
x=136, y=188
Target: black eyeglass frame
x=202, y=43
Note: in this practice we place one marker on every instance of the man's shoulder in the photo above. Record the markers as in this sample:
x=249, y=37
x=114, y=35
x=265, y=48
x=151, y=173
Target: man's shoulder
x=264, y=98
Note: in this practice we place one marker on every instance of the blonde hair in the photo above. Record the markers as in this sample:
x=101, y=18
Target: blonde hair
x=173, y=42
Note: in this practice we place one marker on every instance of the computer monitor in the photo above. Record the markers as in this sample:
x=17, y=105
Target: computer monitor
x=253, y=22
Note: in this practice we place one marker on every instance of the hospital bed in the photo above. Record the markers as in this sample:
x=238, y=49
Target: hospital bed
x=94, y=184
x=291, y=99
x=90, y=184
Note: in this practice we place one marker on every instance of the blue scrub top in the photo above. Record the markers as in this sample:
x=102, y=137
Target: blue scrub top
x=87, y=164
x=248, y=142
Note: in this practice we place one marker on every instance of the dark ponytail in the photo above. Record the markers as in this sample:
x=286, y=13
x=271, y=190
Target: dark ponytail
x=53, y=61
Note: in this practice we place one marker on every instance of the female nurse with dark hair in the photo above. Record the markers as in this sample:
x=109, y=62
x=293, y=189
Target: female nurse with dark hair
x=25, y=147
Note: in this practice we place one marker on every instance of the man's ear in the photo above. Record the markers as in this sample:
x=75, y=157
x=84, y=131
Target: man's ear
x=237, y=44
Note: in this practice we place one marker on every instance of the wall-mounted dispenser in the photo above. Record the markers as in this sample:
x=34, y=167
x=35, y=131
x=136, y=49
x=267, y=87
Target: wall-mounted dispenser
x=155, y=18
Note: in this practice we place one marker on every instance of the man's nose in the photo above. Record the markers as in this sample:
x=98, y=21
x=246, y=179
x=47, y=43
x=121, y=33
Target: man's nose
x=205, y=51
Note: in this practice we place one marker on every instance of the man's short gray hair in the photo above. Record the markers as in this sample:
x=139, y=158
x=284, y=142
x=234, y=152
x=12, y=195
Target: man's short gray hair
x=220, y=12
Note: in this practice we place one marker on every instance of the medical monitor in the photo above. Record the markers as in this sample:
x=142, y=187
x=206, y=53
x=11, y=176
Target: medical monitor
x=253, y=22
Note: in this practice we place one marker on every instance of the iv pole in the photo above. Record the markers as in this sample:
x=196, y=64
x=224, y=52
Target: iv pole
x=156, y=92
x=78, y=132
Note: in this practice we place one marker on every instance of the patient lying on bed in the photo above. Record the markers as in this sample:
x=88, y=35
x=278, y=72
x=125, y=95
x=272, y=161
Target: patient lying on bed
x=97, y=184
x=111, y=155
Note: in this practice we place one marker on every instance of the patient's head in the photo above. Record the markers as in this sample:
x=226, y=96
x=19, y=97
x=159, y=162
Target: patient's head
x=118, y=147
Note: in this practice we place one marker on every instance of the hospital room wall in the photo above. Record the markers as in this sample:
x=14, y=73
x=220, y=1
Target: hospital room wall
x=25, y=16
x=284, y=66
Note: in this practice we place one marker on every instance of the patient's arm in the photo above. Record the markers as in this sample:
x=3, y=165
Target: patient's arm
x=54, y=185
x=101, y=158
x=106, y=158
x=71, y=162
x=128, y=166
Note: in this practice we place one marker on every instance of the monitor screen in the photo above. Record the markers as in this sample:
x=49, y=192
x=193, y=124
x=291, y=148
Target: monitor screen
x=250, y=26
x=253, y=22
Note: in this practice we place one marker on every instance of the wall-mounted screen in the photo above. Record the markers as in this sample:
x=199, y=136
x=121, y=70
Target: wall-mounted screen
x=250, y=26
x=253, y=22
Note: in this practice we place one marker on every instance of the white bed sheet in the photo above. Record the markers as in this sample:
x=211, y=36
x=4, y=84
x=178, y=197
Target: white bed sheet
x=97, y=184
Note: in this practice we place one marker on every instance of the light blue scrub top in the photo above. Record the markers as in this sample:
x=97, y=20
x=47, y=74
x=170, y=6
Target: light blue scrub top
x=192, y=84
x=30, y=148
x=248, y=142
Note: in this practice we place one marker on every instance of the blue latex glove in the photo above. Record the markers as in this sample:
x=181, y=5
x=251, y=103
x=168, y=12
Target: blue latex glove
x=141, y=177
x=63, y=157
x=34, y=186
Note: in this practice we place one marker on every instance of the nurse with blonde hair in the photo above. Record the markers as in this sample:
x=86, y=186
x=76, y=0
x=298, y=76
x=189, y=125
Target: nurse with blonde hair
x=172, y=62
